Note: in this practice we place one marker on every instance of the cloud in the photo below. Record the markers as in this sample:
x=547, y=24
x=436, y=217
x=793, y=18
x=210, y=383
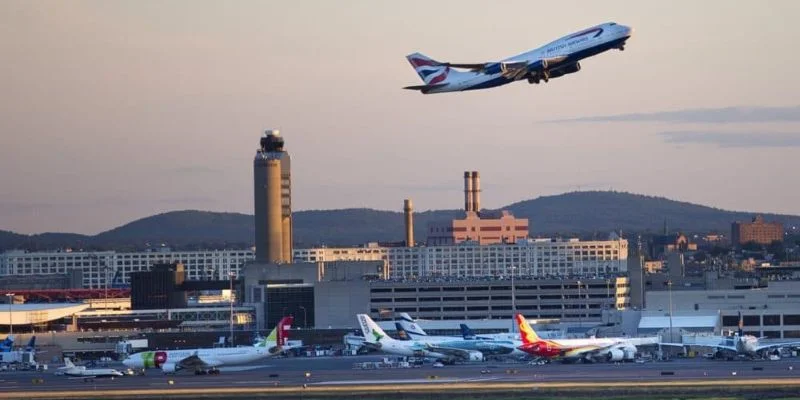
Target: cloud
x=703, y=115
x=733, y=139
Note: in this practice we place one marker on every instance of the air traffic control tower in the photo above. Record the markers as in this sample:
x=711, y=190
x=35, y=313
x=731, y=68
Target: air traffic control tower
x=272, y=191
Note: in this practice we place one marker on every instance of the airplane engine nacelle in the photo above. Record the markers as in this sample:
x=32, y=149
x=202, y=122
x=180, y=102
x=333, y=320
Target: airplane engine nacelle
x=168, y=368
x=616, y=355
x=476, y=356
x=629, y=353
x=567, y=69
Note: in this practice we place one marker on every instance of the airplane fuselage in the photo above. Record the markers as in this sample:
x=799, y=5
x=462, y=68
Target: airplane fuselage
x=568, y=50
x=212, y=357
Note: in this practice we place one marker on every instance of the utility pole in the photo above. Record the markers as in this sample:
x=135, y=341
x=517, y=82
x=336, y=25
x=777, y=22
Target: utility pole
x=10, y=314
x=669, y=284
x=580, y=305
x=513, y=301
x=231, y=309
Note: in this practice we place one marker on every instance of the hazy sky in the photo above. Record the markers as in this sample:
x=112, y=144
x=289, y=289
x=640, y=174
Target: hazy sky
x=112, y=111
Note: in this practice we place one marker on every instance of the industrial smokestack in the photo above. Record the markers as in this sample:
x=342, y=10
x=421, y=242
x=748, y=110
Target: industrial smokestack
x=468, y=192
x=408, y=210
x=476, y=192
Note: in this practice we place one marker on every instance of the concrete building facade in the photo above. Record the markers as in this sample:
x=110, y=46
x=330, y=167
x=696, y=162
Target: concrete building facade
x=532, y=257
x=98, y=269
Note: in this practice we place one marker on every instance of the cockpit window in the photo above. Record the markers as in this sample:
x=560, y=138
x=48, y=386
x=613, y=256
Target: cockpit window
x=612, y=24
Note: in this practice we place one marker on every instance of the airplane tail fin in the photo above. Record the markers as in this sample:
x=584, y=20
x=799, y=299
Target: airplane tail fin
x=741, y=324
x=7, y=344
x=401, y=332
x=68, y=363
x=279, y=335
x=282, y=335
x=410, y=326
x=31, y=344
x=429, y=70
x=372, y=332
x=527, y=333
x=466, y=332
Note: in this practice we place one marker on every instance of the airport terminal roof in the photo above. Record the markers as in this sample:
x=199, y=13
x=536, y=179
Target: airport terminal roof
x=26, y=314
x=679, y=321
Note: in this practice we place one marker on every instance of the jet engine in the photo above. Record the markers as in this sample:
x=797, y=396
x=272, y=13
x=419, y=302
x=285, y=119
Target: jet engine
x=622, y=353
x=168, y=368
x=475, y=356
x=567, y=69
x=615, y=355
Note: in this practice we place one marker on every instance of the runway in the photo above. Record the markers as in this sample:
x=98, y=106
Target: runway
x=317, y=375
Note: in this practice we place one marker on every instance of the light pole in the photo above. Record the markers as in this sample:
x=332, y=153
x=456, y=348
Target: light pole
x=669, y=285
x=513, y=301
x=608, y=292
x=580, y=316
x=305, y=321
x=10, y=297
x=230, y=298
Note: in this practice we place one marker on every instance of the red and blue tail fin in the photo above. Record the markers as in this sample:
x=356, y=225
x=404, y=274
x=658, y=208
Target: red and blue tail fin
x=429, y=70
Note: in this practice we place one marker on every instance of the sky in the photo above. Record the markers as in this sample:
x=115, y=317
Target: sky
x=114, y=111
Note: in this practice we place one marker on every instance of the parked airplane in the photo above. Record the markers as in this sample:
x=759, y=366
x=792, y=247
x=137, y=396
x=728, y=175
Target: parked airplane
x=490, y=347
x=467, y=333
x=375, y=336
x=569, y=350
x=87, y=374
x=740, y=343
x=408, y=328
x=555, y=59
x=206, y=360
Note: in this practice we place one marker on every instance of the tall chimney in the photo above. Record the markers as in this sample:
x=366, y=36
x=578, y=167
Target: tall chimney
x=476, y=192
x=468, y=192
x=408, y=210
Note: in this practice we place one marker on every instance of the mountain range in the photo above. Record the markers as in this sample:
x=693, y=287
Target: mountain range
x=585, y=214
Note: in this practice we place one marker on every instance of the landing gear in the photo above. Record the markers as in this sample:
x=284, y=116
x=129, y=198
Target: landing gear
x=212, y=371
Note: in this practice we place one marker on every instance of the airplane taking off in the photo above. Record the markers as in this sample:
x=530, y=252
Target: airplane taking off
x=204, y=361
x=608, y=349
x=87, y=374
x=555, y=59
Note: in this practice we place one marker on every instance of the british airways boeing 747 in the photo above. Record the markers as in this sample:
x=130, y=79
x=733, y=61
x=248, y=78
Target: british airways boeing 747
x=552, y=60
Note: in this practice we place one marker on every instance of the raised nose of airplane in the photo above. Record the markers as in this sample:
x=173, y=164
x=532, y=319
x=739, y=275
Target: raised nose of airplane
x=628, y=31
x=127, y=362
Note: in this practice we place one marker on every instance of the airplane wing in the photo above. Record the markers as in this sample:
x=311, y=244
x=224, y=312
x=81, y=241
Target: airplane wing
x=717, y=346
x=771, y=345
x=511, y=67
x=449, y=351
x=194, y=361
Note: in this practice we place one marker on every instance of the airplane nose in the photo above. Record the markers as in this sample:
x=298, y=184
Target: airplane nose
x=127, y=362
x=628, y=31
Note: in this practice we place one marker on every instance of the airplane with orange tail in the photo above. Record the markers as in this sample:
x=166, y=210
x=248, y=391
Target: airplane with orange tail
x=571, y=350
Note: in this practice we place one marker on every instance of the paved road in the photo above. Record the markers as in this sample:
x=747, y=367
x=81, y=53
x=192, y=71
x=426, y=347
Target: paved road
x=337, y=372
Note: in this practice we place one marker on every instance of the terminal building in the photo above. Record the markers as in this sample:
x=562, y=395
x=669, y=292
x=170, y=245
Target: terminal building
x=772, y=312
